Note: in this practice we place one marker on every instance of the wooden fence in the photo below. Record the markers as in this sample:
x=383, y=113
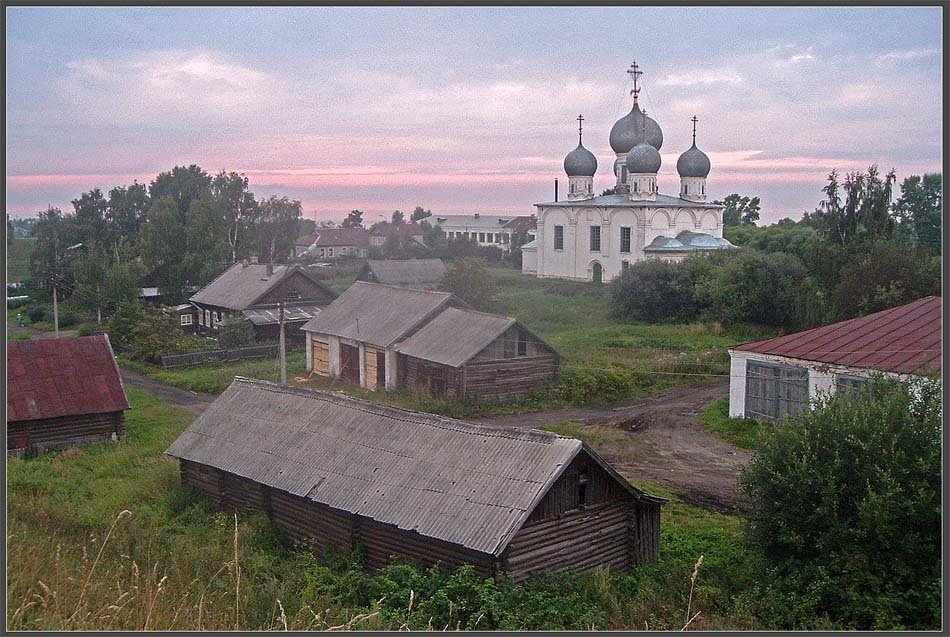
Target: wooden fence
x=219, y=356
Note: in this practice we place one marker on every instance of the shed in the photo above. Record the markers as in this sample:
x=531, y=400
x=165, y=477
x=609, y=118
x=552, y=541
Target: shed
x=419, y=274
x=780, y=376
x=353, y=338
x=467, y=354
x=63, y=392
x=337, y=471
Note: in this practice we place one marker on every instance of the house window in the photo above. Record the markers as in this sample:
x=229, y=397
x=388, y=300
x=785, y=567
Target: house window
x=481, y=237
x=558, y=237
x=201, y=318
x=208, y=318
x=491, y=237
x=293, y=294
x=323, y=252
x=625, y=239
x=853, y=387
x=505, y=238
x=329, y=252
x=595, y=238
x=216, y=317
x=624, y=266
x=186, y=319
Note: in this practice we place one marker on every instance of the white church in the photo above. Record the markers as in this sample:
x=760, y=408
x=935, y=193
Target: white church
x=594, y=238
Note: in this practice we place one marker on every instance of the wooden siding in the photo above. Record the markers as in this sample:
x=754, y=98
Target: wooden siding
x=418, y=375
x=506, y=345
x=373, y=378
x=774, y=391
x=509, y=378
x=304, y=286
x=37, y=436
x=321, y=358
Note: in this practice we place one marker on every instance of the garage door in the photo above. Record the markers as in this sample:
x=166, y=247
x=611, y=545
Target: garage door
x=321, y=358
x=773, y=391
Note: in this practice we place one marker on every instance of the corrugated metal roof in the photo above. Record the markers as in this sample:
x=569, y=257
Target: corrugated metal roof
x=467, y=484
x=902, y=340
x=271, y=315
x=376, y=314
x=55, y=377
x=454, y=336
x=241, y=285
x=405, y=272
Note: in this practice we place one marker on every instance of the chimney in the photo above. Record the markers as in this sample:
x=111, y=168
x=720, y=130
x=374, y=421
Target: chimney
x=555, y=189
x=270, y=268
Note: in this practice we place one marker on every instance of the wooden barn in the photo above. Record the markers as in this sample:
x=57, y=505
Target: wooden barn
x=252, y=291
x=467, y=354
x=337, y=471
x=354, y=337
x=418, y=274
x=63, y=392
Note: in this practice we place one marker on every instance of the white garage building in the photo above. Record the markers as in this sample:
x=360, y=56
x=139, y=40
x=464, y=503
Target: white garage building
x=779, y=376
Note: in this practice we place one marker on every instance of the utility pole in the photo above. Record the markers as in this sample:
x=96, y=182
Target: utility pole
x=55, y=310
x=283, y=351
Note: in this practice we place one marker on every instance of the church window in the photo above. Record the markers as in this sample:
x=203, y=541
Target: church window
x=624, y=239
x=595, y=238
x=624, y=266
x=558, y=237
x=636, y=186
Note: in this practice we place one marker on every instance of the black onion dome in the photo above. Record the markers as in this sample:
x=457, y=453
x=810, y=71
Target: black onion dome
x=580, y=162
x=627, y=132
x=693, y=163
x=643, y=158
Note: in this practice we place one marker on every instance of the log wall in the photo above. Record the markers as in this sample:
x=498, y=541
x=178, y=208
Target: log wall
x=37, y=436
x=510, y=377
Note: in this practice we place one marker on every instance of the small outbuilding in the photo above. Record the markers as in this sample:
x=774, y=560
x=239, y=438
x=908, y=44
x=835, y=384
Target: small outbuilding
x=779, y=377
x=63, y=392
x=418, y=274
x=462, y=353
x=336, y=471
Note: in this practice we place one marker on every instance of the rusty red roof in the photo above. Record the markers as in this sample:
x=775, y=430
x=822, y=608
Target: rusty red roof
x=55, y=377
x=902, y=340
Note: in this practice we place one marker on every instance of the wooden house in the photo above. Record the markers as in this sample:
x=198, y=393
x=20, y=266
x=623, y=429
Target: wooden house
x=63, y=392
x=333, y=244
x=467, y=354
x=337, y=471
x=418, y=274
x=252, y=291
x=781, y=376
x=354, y=337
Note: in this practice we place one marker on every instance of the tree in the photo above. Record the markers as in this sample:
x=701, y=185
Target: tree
x=183, y=184
x=398, y=218
x=125, y=213
x=738, y=209
x=653, y=291
x=54, y=233
x=235, y=332
x=10, y=231
x=163, y=250
x=865, y=214
x=156, y=334
x=420, y=213
x=276, y=227
x=207, y=251
x=90, y=210
x=920, y=207
x=353, y=220
x=844, y=508
x=240, y=210
x=469, y=279
x=103, y=284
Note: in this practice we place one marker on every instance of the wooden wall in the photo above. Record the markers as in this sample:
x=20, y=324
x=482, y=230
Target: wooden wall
x=420, y=375
x=508, y=378
x=304, y=285
x=37, y=436
x=375, y=376
x=321, y=357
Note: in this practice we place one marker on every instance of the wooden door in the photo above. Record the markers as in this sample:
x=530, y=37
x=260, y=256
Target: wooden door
x=381, y=370
x=774, y=391
x=350, y=363
x=321, y=358
x=373, y=370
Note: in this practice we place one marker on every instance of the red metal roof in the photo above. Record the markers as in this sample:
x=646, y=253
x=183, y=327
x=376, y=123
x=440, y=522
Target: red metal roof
x=903, y=340
x=55, y=377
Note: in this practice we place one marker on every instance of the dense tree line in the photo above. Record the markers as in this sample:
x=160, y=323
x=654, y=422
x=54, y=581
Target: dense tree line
x=858, y=252
x=176, y=233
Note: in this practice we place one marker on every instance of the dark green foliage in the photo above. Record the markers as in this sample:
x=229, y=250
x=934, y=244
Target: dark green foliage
x=353, y=220
x=654, y=291
x=156, y=334
x=235, y=332
x=37, y=314
x=124, y=320
x=865, y=213
x=739, y=210
x=66, y=320
x=844, y=509
x=470, y=280
x=420, y=213
x=920, y=208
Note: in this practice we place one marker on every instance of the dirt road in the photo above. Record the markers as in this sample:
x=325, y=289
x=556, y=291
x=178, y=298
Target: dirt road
x=660, y=440
x=192, y=401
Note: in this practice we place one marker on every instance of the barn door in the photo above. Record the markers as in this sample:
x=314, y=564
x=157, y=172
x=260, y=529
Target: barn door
x=774, y=391
x=349, y=363
x=321, y=358
x=380, y=370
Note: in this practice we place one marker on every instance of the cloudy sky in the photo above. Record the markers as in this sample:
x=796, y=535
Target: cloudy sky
x=462, y=109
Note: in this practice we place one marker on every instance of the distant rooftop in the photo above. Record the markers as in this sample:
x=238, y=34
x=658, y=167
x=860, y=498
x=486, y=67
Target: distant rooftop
x=662, y=201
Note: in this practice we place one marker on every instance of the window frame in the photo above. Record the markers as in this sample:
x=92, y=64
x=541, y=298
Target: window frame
x=626, y=230
x=559, y=238
x=595, y=232
x=184, y=322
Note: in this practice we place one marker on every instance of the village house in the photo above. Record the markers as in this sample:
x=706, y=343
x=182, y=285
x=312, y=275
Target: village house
x=779, y=377
x=462, y=353
x=405, y=233
x=63, y=392
x=354, y=337
x=419, y=274
x=333, y=243
x=334, y=471
x=253, y=291
x=485, y=230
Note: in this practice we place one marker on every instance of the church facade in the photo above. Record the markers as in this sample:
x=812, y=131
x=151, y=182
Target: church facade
x=595, y=238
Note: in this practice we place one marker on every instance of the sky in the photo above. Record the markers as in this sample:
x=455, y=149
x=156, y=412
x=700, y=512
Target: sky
x=462, y=109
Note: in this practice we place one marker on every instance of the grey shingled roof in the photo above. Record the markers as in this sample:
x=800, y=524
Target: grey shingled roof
x=377, y=314
x=454, y=336
x=472, y=485
x=613, y=201
x=241, y=285
x=407, y=272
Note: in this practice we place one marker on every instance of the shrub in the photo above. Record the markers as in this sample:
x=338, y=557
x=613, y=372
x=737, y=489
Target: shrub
x=844, y=508
x=67, y=319
x=653, y=291
x=36, y=314
x=157, y=334
x=586, y=385
x=469, y=279
x=235, y=332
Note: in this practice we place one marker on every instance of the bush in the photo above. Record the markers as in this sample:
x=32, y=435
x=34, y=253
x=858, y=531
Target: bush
x=653, y=291
x=36, y=314
x=469, y=279
x=155, y=335
x=235, y=332
x=844, y=508
x=67, y=319
x=585, y=385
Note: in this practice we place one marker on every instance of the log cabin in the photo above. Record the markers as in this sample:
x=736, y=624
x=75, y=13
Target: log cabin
x=335, y=471
x=63, y=392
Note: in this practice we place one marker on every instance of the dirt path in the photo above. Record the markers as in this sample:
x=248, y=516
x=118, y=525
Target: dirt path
x=192, y=401
x=658, y=439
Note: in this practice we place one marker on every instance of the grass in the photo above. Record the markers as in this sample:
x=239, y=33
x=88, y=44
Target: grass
x=19, y=336
x=18, y=260
x=106, y=538
x=741, y=432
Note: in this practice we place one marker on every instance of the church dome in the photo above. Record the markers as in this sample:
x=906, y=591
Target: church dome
x=643, y=158
x=693, y=163
x=580, y=162
x=628, y=131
